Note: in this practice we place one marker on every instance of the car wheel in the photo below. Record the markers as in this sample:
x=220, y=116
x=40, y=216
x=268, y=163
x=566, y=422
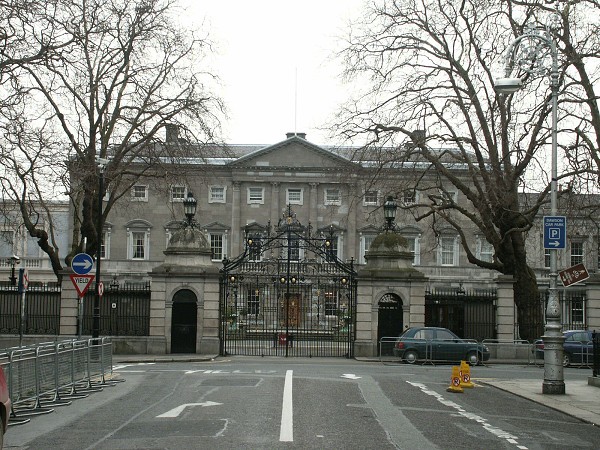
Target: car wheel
x=410, y=356
x=566, y=360
x=473, y=358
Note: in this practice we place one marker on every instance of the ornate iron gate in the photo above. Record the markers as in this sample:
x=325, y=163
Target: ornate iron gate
x=288, y=294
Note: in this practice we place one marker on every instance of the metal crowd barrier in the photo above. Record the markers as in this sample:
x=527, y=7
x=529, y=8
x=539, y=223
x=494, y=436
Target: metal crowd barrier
x=518, y=351
x=387, y=344
x=47, y=375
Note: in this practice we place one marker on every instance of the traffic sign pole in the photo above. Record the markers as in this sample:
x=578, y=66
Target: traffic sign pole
x=81, y=283
x=23, y=285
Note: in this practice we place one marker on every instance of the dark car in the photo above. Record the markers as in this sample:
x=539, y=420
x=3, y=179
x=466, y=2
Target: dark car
x=438, y=344
x=4, y=406
x=578, y=347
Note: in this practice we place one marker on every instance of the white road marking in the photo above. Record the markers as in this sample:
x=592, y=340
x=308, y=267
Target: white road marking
x=471, y=416
x=350, y=376
x=176, y=411
x=286, y=432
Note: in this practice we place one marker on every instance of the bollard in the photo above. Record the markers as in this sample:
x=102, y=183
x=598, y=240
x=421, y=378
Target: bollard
x=465, y=375
x=455, y=381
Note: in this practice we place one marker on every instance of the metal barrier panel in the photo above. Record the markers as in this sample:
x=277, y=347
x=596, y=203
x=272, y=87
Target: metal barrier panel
x=517, y=350
x=22, y=376
x=39, y=375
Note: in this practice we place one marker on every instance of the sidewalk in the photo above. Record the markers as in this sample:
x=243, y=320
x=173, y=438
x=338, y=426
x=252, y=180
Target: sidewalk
x=580, y=399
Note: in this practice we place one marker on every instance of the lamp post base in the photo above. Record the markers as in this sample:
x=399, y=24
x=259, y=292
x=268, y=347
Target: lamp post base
x=554, y=379
x=553, y=387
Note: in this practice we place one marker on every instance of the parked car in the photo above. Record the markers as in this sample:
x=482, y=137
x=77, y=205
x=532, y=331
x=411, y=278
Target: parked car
x=4, y=406
x=438, y=344
x=578, y=347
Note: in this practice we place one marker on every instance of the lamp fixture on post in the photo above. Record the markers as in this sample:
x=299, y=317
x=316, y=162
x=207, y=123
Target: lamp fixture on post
x=189, y=208
x=528, y=51
x=13, y=261
x=389, y=212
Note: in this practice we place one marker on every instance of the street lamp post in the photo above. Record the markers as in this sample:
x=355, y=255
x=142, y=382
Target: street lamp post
x=102, y=163
x=528, y=52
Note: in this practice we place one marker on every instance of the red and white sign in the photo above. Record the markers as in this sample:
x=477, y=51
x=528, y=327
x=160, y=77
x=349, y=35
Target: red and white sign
x=573, y=275
x=100, y=289
x=23, y=279
x=81, y=283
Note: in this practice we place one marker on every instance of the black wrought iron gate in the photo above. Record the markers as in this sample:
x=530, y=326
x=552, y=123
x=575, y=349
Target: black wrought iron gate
x=288, y=294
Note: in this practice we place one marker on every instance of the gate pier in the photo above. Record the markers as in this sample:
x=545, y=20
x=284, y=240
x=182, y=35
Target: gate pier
x=184, y=306
x=388, y=274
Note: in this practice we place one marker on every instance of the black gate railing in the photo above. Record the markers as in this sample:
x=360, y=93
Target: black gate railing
x=288, y=294
x=124, y=310
x=469, y=314
x=42, y=310
x=573, y=310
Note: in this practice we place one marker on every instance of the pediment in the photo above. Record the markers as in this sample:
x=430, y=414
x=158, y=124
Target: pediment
x=215, y=226
x=293, y=153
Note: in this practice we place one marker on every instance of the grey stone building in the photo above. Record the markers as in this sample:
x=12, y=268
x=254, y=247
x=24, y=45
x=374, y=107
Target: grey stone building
x=252, y=188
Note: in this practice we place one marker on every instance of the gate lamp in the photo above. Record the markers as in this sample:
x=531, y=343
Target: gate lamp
x=528, y=52
x=389, y=212
x=189, y=208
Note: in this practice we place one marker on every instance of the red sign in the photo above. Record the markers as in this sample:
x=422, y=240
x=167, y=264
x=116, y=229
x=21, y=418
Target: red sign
x=100, y=289
x=81, y=283
x=573, y=275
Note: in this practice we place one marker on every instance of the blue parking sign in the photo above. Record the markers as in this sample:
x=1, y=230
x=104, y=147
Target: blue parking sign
x=555, y=232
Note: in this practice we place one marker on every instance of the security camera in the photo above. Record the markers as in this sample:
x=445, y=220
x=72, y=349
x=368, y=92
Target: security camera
x=102, y=161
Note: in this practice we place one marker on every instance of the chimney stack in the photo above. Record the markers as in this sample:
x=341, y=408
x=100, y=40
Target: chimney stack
x=291, y=135
x=172, y=133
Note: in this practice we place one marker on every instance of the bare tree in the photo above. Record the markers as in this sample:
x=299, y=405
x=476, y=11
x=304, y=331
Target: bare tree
x=127, y=74
x=429, y=66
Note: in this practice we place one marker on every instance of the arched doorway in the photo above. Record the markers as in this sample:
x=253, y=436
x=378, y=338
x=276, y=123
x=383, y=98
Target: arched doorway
x=389, y=323
x=183, y=322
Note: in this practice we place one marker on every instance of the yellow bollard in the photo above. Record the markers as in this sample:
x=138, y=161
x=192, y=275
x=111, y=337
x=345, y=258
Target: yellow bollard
x=455, y=381
x=465, y=375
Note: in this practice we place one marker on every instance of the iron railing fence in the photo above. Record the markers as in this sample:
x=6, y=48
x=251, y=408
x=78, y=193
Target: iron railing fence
x=124, y=310
x=470, y=314
x=573, y=306
x=42, y=310
x=52, y=374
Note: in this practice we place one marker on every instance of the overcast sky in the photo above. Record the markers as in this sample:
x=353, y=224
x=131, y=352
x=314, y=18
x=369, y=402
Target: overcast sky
x=275, y=64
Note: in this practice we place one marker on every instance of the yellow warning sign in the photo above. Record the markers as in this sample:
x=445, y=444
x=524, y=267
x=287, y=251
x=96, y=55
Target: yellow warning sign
x=455, y=384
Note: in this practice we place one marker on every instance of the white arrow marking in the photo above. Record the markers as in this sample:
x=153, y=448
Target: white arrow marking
x=86, y=264
x=350, y=376
x=555, y=243
x=176, y=411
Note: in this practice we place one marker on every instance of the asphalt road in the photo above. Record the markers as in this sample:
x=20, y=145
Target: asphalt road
x=263, y=403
